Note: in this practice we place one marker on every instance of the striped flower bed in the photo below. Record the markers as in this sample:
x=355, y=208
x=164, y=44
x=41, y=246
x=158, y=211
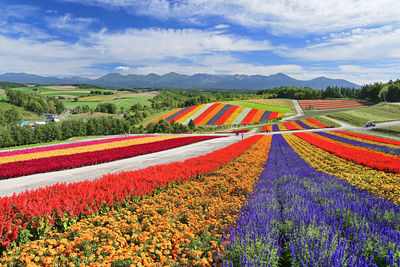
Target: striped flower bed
x=285, y=201
x=330, y=104
x=308, y=123
x=219, y=114
x=67, y=156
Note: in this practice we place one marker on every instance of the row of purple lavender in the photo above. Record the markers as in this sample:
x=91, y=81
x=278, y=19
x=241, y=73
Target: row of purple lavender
x=301, y=217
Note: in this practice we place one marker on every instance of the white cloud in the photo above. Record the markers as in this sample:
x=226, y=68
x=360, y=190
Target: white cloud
x=133, y=45
x=280, y=16
x=70, y=23
x=17, y=11
x=358, y=44
x=221, y=26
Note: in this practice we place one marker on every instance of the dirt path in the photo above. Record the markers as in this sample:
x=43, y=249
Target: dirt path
x=20, y=184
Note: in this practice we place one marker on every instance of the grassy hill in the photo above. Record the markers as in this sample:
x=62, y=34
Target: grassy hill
x=379, y=113
x=262, y=106
x=27, y=115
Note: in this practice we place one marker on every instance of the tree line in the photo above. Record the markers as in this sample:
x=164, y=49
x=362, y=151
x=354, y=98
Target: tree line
x=300, y=93
x=16, y=135
x=377, y=92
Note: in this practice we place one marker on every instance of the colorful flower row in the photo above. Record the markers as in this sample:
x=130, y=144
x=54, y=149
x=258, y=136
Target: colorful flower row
x=299, y=216
x=382, y=184
x=49, y=162
x=67, y=145
x=330, y=104
x=343, y=139
x=31, y=214
x=372, y=138
x=179, y=226
x=309, y=123
x=219, y=114
x=365, y=157
x=46, y=153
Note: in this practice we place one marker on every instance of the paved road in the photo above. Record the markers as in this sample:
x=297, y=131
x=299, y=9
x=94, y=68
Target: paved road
x=20, y=184
x=298, y=109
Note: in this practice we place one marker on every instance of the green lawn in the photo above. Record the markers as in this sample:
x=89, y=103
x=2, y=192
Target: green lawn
x=276, y=102
x=394, y=130
x=83, y=116
x=378, y=113
x=259, y=106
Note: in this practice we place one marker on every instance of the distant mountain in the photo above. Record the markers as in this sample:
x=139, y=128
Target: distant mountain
x=175, y=80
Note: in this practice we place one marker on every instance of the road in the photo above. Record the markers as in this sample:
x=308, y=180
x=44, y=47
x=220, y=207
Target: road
x=20, y=184
x=298, y=109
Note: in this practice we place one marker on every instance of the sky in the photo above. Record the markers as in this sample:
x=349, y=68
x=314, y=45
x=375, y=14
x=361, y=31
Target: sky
x=356, y=40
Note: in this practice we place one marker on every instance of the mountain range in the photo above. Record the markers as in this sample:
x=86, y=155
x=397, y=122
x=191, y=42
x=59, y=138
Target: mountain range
x=175, y=80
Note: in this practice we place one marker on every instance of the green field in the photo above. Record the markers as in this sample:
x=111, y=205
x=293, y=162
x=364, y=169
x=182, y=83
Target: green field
x=327, y=121
x=125, y=101
x=394, y=130
x=276, y=102
x=259, y=106
x=64, y=93
x=378, y=113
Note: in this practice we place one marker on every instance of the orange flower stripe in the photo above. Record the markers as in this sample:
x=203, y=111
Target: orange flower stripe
x=234, y=115
x=82, y=149
x=181, y=226
x=282, y=127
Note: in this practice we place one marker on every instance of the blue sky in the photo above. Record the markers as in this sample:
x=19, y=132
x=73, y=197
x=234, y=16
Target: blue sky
x=357, y=40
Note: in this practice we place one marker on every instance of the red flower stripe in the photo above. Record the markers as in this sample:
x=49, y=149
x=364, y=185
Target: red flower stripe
x=249, y=116
x=205, y=113
x=72, y=201
x=65, y=146
x=291, y=126
x=370, y=137
x=273, y=115
x=264, y=128
x=318, y=123
x=21, y=168
x=226, y=115
x=363, y=157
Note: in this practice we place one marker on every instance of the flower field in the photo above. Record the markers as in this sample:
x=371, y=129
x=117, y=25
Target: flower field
x=330, y=104
x=219, y=114
x=304, y=124
x=303, y=199
x=44, y=159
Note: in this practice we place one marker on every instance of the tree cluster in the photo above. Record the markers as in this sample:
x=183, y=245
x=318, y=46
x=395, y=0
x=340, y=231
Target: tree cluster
x=387, y=92
x=8, y=85
x=110, y=108
x=10, y=115
x=34, y=102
